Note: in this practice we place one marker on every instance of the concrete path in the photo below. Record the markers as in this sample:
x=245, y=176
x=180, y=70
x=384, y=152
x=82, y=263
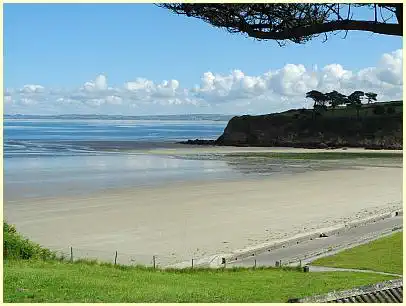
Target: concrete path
x=329, y=269
x=306, y=252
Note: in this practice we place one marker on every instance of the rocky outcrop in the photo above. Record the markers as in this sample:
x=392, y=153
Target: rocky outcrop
x=307, y=131
x=199, y=142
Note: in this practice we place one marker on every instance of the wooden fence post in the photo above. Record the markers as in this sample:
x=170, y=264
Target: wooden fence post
x=153, y=261
x=223, y=261
x=115, y=259
x=71, y=254
x=192, y=263
x=255, y=263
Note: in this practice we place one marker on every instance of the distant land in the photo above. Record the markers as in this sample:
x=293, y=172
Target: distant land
x=210, y=117
x=373, y=126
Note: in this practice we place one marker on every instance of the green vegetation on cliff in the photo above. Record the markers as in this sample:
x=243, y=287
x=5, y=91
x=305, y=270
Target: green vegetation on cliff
x=375, y=125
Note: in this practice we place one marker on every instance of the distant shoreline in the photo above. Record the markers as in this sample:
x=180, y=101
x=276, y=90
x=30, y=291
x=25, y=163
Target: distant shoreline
x=209, y=142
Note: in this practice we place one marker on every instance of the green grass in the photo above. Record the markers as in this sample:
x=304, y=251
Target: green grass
x=319, y=155
x=385, y=255
x=33, y=274
x=53, y=281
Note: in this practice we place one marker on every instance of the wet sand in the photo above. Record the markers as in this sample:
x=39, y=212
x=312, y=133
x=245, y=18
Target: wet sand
x=196, y=149
x=197, y=219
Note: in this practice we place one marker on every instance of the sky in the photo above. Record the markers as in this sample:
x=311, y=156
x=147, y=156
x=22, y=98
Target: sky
x=140, y=59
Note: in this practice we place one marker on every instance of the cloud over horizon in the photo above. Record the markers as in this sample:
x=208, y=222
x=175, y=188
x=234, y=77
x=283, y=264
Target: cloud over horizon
x=234, y=93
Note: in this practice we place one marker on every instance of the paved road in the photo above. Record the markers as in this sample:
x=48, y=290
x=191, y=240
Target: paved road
x=328, y=269
x=312, y=249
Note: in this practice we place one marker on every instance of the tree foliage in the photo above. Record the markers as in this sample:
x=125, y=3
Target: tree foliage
x=355, y=97
x=335, y=99
x=355, y=100
x=296, y=22
x=371, y=96
x=318, y=97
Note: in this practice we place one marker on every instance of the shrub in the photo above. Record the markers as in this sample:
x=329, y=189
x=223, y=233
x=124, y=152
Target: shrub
x=16, y=246
x=397, y=103
x=379, y=110
x=390, y=110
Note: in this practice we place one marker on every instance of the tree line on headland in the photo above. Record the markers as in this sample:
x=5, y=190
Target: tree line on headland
x=334, y=99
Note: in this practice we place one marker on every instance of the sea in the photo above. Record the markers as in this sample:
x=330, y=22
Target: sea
x=50, y=156
x=67, y=155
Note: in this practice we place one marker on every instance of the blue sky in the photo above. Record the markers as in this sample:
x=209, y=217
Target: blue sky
x=63, y=46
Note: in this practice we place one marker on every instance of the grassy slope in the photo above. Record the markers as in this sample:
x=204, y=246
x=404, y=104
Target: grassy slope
x=53, y=281
x=15, y=246
x=385, y=254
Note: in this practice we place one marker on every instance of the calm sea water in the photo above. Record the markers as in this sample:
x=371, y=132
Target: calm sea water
x=62, y=157
x=38, y=137
x=54, y=157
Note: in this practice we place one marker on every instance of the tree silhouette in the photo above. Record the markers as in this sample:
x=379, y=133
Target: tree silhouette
x=335, y=98
x=355, y=100
x=296, y=22
x=371, y=96
x=319, y=99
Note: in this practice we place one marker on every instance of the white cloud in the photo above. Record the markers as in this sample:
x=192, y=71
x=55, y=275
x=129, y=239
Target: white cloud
x=167, y=89
x=99, y=84
x=7, y=99
x=113, y=100
x=235, y=92
x=140, y=84
x=31, y=88
x=389, y=69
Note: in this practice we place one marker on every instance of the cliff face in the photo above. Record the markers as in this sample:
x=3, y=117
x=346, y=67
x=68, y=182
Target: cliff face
x=305, y=131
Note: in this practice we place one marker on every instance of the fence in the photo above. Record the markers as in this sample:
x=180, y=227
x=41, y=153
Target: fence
x=120, y=258
x=260, y=257
x=162, y=261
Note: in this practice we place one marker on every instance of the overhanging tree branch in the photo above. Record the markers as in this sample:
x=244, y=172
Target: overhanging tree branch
x=349, y=25
x=297, y=22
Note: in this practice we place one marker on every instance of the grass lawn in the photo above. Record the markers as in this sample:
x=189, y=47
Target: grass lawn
x=385, y=254
x=54, y=281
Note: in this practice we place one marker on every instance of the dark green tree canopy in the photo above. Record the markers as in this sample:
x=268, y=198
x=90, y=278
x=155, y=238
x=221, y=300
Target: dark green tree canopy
x=335, y=98
x=318, y=97
x=355, y=97
x=371, y=96
x=296, y=22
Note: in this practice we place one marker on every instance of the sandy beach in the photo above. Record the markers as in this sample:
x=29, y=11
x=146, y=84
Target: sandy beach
x=195, y=149
x=198, y=219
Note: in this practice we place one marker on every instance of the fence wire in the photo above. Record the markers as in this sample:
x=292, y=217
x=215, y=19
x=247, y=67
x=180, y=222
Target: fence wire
x=120, y=258
x=165, y=261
